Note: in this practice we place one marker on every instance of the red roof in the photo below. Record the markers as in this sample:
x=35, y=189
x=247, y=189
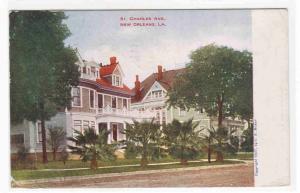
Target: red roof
x=108, y=69
x=105, y=83
x=166, y=81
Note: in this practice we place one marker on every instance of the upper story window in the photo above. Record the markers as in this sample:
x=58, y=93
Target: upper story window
x=114, y=102
x=93, y=71
x=100, y=101
x=156, y=94
x=76, y=95
x=125, y=103
x=92, y=99
x=116, y=80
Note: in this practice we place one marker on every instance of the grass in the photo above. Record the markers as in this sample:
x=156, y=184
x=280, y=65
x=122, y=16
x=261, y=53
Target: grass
x=36, y=174
x=241, y=156
x=80, y=164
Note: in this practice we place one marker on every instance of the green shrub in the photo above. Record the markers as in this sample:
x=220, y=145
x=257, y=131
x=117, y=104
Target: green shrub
x=131, y=151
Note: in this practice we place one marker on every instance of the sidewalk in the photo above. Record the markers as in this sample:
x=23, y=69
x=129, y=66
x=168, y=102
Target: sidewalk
x=130, y=165
x=98, y=176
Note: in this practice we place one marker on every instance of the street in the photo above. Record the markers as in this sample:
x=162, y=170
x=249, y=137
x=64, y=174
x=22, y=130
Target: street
x=232, y=176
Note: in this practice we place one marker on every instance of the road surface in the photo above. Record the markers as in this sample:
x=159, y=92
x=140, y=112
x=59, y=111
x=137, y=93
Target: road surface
x=231, y=176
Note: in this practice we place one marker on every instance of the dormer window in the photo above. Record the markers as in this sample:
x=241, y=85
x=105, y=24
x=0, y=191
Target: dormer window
x=116, y=80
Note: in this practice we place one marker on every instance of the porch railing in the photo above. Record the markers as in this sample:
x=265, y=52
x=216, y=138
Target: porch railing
x=125, y=112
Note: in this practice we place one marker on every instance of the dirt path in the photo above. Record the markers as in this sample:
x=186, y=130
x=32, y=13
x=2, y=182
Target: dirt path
x=233, y=176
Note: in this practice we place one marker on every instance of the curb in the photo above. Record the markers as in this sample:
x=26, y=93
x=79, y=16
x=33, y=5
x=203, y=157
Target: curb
x=86, y=177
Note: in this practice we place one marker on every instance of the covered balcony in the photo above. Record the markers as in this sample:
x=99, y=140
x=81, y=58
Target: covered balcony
x=124, y=112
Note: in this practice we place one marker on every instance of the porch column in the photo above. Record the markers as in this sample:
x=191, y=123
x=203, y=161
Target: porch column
x=109, y=136
x=124, y=127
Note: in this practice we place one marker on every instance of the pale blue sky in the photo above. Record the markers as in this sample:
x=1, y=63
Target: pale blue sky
x=98, y=35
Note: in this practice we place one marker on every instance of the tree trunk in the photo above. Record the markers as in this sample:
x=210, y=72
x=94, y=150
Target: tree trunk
x=94, y=163
x=44, y=147
x=220, y=110
x=54, y=154
x=183, y=161
x=220, y=122
x=209, y=150
x=144, y=160
x=220, y=157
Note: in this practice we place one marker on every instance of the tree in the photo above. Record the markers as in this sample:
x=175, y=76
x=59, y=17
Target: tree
x=219, y=80
x=43, y=70
x=56, y=138
x=144, y=135
x=183, y=139
x=219, y=140
x=221, y=143
x=92, y=147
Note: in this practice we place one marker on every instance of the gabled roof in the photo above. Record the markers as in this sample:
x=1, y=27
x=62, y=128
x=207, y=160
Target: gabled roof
x=106, y=84
x=166, y=82
x=107, y=70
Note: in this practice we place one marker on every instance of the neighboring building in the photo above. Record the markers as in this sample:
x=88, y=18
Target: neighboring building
x=101, y=101
x=151, y=95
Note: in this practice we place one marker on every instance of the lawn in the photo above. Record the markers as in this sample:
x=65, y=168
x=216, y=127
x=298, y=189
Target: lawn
x=80, y=164
x=117, y=162
x=38, y=174
x=241, y=156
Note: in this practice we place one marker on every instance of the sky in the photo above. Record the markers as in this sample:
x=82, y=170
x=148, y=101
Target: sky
x=98, y=35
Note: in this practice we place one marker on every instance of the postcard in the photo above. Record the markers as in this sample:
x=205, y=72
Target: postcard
x=149, y=98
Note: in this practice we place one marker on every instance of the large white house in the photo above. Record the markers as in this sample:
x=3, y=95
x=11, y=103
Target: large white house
x=100, y=101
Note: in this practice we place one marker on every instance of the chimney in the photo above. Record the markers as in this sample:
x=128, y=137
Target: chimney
x=137, y=88
x=159, y=72
x=113, y=60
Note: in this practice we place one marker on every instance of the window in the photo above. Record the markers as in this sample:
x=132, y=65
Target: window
x=85, y=125
x=100, y=101
x=84, y=70
x=93, y=70
x=93, y=124
x=115, y=132
x=39, y=132
x=92, y=98
x=117, y=81
x=17, y=139
x=89, y=71
x=76, y=96
x=164, y=117
x=157, y=94
x=157, y=117
x=125, y=103
x=114, y=102
x=77, y=125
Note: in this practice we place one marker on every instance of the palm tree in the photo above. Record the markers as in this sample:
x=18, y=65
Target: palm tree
x=92, y=147
x=56, y=138
x=217, y=140
x=144, y=136
x=207, y=140
x=183, y=139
